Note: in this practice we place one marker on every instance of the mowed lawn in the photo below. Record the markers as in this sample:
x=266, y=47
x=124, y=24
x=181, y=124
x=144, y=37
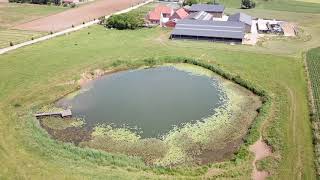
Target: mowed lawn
x=38, y=74
x=12, y=14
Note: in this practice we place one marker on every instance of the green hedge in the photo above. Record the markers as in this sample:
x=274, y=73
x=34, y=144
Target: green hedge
x=124, y=21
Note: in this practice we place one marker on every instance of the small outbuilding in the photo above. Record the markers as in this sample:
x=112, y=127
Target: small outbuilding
x=262, y=26
x=215, y=10
x=242, y=17
x=216, y=31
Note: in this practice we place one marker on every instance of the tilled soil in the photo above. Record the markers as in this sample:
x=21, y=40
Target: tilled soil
x=77, y=15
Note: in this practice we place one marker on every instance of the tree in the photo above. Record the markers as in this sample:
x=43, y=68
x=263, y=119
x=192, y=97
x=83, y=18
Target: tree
x=247, y=4
x=190, y=2
x=124, y=21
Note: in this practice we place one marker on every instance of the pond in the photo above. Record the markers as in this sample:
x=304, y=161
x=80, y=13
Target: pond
x=152, y=101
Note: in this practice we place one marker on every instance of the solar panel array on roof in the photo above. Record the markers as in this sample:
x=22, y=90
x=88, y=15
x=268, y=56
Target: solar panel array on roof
x=206, y=8
x=211, y=29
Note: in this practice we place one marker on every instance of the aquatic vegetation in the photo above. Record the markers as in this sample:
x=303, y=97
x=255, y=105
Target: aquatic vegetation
x=116, y=134
x=59, y=123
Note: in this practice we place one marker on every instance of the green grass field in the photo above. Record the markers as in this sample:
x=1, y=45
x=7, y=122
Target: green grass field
x=12, y=14
x=36, y=75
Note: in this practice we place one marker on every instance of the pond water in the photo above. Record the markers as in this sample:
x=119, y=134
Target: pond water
x=152, y=100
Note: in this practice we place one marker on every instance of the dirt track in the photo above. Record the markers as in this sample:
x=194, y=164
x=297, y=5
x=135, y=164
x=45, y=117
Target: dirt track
x=78, y=15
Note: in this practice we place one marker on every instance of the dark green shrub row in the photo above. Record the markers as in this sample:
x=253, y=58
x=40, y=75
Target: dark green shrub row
x=313, y=63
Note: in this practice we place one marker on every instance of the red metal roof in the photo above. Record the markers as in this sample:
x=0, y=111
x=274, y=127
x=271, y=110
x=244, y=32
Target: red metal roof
x=164, y=9
x=181, y=13
x=156, y=13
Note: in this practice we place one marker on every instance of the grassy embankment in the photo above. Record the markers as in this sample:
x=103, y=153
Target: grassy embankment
x=12, y=14
x=29, y=79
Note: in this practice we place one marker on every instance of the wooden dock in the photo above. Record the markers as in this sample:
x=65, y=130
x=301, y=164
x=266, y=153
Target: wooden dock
x=62, y=114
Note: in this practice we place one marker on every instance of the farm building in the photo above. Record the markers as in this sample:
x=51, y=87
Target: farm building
x=160, y=14
x=242, y=17
x=262, y=26
x=215, y=10
x=218, y=31
x=177, y=15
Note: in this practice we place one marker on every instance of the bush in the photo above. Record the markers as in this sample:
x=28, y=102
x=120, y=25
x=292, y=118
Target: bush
x=72, y=5
x=190, y=2
x=248, y=4
x=124, y=21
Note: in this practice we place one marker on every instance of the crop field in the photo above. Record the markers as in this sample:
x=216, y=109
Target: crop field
x=12, y=14
x=313, y=60
x=313, y=64
x=37, y=75
x=16, y=36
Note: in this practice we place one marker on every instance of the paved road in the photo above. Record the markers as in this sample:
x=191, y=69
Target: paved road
x=77, y=15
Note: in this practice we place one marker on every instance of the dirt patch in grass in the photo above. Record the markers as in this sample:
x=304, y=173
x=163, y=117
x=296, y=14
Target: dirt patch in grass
x=261, y=150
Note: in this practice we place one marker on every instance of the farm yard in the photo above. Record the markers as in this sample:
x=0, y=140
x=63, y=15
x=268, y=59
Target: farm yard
x=31, y=78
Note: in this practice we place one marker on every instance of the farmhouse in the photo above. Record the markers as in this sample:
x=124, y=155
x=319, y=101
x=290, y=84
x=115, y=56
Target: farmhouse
x=242, y=17
x=160, y=14
x=177, y=15
x=215, y=10
x=217, y=31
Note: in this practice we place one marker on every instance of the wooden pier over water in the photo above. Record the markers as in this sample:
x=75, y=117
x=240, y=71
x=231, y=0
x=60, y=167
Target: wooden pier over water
x=62, y=114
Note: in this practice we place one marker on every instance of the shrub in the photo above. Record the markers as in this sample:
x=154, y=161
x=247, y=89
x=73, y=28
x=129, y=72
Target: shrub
x=190, y=2
x=124, y=21
x=11, y=43
x=72, y=5
x=248, y=4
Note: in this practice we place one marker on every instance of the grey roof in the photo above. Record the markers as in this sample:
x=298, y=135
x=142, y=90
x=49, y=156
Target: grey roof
x=200, y=28
x=200, y=16
x=241, y=17
x=207, y=8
